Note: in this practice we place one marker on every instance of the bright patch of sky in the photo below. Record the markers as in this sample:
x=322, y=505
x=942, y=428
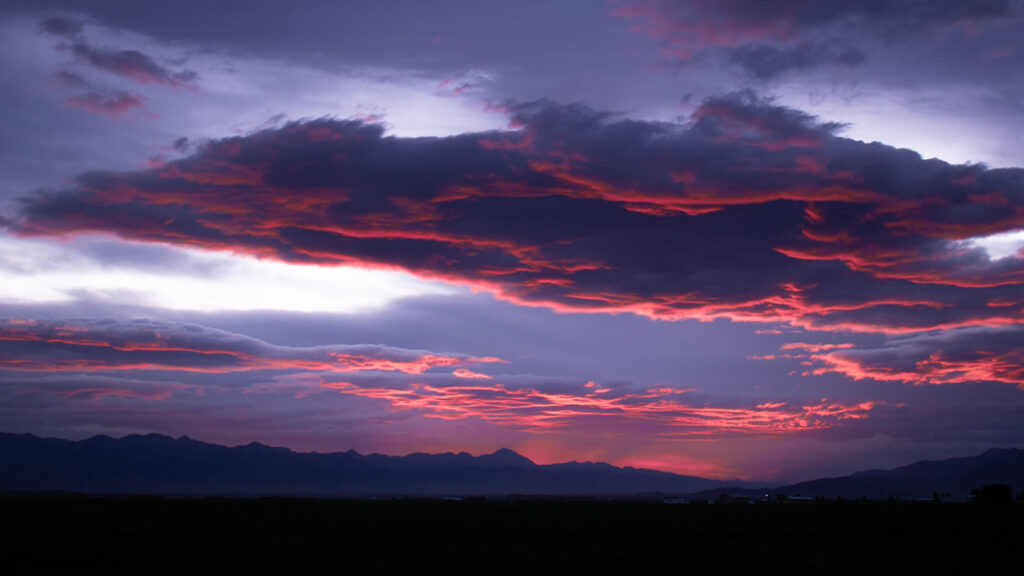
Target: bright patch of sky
x=1001, y=246
x=39, y=271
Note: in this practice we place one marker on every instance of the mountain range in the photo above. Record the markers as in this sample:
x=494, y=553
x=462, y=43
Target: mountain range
x=955, y=477
x=157, y=464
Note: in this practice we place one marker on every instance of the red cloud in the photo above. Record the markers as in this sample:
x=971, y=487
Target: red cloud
x=984, y=366
x=464, y=373
x=959, y=356
x=654, y=411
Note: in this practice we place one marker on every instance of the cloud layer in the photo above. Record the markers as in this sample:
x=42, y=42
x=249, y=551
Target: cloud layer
x=109, y=345
x=165, y=366
x=769, y=39
x=750, y=211
x=966, y=355
x=662, y=412
x=131, y=64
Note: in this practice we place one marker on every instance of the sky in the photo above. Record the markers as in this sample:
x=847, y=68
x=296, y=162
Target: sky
x=733, y=239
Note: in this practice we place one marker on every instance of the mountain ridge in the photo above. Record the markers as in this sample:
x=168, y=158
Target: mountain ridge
x=159, y=464
x=955, y=477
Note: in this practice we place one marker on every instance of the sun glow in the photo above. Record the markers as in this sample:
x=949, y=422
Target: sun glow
x=37, y=271
x=999, y=246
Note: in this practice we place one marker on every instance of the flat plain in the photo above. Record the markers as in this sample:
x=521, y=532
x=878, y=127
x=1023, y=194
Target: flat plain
x=508, y=536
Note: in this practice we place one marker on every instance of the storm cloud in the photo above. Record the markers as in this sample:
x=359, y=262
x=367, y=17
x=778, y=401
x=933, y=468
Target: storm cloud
x=750, y=211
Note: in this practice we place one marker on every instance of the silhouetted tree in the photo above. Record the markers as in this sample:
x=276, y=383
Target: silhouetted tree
x=993, y=494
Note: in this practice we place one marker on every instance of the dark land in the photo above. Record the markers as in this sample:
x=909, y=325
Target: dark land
x=158, y=505
x=152, y=535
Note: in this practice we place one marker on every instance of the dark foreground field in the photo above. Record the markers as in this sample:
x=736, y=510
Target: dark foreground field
x=183, y=536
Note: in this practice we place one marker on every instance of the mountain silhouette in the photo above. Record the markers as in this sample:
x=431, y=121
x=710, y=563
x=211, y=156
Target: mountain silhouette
x=156, y=464
x=955, y=477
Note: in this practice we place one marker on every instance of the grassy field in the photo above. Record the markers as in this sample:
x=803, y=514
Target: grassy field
x=267, y=536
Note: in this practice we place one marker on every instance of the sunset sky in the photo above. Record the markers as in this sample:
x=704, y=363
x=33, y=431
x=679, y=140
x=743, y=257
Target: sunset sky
x=734, y=239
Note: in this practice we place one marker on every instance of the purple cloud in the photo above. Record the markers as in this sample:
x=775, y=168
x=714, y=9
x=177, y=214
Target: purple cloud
x=109, y=345
x=133, y=65
x=61, y=26
x=769, y=39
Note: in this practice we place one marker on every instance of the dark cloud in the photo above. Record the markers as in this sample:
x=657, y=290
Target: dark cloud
x=82, y=94
x=717, y=22
x=61, y=26
x=133, y=65
x=433, y=37
x=766, y=61
x=109, y=104
x=130, y=64
x=908, y=16
x=767, y=39
x=751, y=211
